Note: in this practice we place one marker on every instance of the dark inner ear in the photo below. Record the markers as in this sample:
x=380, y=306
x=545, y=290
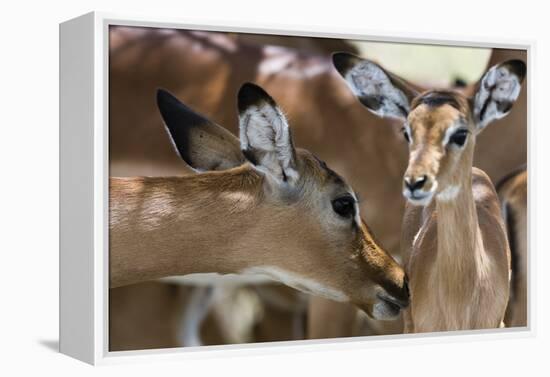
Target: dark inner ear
x=373, y=102
x=202, y=144
x=250, y=156
x=497, y=91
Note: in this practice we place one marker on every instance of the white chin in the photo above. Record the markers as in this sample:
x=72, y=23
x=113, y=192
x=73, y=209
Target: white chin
x=422, y=201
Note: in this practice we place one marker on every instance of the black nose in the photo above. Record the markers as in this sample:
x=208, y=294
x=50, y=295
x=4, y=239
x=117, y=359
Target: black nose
x=396, y=293
x=415, y=183
x=403, y=294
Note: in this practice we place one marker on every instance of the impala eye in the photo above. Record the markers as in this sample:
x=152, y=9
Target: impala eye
x=459, y=137
x=344, y=206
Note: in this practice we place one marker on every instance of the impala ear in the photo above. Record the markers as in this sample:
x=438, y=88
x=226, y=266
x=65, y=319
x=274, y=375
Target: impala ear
x=202, y=144
x=497, y=91
x=381, y=92
x=266, y=141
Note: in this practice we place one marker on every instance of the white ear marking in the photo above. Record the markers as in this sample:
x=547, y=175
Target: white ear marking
x=375, y=89
x=265, y=136
x=381, y=92
x=498, y=90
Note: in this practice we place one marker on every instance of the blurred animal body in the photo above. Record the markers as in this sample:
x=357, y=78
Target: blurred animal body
x=512, y=191
x=454, y=238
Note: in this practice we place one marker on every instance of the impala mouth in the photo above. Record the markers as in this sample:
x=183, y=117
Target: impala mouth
x=401, y=304
x=419, y=198
x=388, y=307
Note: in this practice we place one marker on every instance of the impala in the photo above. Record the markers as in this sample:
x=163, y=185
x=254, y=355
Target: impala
x=283, y=214
x=453, y=237
x=512, y=191
x=205, y=70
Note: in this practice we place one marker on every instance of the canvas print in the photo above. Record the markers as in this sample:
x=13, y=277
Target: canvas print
x=272, y=188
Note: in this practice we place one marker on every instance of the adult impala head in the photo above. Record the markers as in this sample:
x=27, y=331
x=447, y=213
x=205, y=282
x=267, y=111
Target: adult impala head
x=280, y=211
x=440, y=125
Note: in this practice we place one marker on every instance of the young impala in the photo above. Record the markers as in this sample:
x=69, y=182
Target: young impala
x=453, y=236
x=283, y=213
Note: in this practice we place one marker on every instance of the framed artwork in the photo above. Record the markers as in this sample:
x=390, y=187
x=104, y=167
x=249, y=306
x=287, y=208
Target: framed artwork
x=232, y=189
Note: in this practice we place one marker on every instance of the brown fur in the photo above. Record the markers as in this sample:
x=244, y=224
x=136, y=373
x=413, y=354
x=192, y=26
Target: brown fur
x=458, y=255
x=207, y=76
x=513, y=195
x=465, y=286
x=225, y=222
x=134, y=323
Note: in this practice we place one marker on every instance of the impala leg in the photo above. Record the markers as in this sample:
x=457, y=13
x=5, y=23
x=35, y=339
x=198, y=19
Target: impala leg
x=193, y=316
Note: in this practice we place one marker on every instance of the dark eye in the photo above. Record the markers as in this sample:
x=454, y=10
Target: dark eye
x=344, y=206
x=459, y=137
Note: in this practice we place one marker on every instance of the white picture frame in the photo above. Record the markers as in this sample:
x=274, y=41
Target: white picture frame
x=84, y=192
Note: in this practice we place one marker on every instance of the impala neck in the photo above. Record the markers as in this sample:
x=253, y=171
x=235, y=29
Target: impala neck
x=459, y=243
x=182, y=225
